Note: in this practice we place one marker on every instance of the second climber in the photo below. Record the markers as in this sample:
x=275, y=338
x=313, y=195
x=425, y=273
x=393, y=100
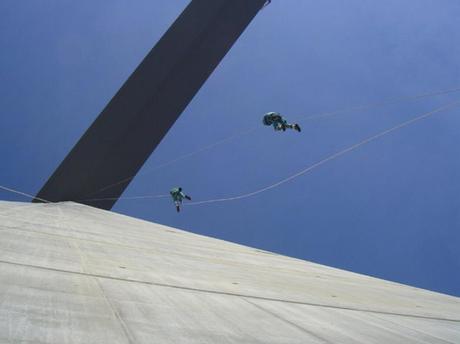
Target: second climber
x=177, y=196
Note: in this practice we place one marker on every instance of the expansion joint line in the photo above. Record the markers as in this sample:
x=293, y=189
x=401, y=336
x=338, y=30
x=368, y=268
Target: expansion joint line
x=216, y=292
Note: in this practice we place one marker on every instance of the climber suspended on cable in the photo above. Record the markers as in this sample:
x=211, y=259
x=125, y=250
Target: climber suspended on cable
x=177, y=196
x=278, y=122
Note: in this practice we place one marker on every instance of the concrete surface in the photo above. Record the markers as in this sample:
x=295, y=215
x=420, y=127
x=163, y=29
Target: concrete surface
x=70, y=273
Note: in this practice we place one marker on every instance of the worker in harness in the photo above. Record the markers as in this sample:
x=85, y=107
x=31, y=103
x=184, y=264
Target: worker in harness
x=177, y=196
x=278, y=122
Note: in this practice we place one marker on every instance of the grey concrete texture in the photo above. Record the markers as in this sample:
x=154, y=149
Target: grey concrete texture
x=70, y=273
x=140, y=114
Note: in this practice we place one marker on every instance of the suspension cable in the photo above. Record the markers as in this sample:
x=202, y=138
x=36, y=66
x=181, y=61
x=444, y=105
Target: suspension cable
x=329, y=158
x=23, y=194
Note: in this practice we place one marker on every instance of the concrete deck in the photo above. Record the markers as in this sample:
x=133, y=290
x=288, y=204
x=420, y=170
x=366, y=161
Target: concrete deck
x=70, y=273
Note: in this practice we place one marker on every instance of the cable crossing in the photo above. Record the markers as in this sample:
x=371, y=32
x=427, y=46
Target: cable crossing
x=252, y=129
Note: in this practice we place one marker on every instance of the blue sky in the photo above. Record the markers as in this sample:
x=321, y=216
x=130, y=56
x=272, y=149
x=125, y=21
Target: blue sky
x=390, y=209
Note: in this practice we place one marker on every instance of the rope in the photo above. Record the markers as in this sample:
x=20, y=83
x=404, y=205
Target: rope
x=181, y=157
x=381, y=103
x=331, y=157
x=23, y=194
x=252, y=129
x=122, y=198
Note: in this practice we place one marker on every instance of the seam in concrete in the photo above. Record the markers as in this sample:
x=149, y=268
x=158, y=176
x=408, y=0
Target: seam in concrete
x=114, y=311
x=412, y=329
x=116, y=314
x=300, y=328
x=230, y=293
x=392, y=329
